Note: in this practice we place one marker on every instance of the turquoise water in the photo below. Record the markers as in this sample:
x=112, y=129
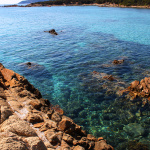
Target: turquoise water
x=89, y=39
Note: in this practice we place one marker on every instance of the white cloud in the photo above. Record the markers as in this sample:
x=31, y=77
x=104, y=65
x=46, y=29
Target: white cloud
x=9, y=1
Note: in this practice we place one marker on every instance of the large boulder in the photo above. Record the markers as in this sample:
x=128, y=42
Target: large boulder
x=17, y=126
x=35, y=143
x=12, y=143
x=134, y=129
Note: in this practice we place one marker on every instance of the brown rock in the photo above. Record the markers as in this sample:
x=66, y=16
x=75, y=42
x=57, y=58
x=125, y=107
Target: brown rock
x=91, y=137
x=135, y=84
x=116, y=62
x=147, y=80
x=2, y=94
x=49, y=113
x=68, y=138
x=95, y=72
x=12, y=143
x=65, y=146
x=102, y=145
x=100, y=138
x=36, y=104
x=45, y=127
x=58, y=109
x=56, y=117
x=5, y=113
x=35, y=118
x=84, y=142
x=66, y=124
x=142, y=86
x=75, y=142
x=38, y=125
x=17, y=126
x=35, y=143
x=78, y=148
x=54, y=137
x=109, y=77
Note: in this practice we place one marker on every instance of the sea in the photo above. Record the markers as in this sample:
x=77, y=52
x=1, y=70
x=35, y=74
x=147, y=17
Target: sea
x=68, y=68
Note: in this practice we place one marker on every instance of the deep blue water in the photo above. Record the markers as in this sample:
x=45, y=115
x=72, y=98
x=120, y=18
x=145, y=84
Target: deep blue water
x=89, y=39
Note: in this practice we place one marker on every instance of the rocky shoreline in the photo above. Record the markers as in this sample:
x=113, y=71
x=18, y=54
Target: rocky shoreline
x=94, y=4
x=29, y=122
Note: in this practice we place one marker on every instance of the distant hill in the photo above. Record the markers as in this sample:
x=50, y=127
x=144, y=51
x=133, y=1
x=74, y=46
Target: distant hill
x=30, y=1
x=60, y=2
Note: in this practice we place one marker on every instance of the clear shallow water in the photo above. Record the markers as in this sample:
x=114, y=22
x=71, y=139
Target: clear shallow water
x=89, y=39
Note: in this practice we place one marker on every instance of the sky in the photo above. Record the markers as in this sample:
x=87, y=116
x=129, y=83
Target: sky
x=9, y=1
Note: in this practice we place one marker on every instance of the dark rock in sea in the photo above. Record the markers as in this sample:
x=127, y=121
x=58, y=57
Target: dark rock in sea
x=28, y=64
x=116, y=62
x=52, y=31
x=32, y=65
x=34, y=69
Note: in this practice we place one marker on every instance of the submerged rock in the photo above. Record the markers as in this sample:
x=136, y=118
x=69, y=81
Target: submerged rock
x=135, y=145
x=134, y=129
x=116, y=62
x=32, y=65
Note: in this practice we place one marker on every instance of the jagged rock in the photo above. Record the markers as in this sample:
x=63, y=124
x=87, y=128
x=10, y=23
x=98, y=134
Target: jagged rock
x=45, y=127
x=68, y=138
x=102, y=145
x=78, y=148
x=135, y=84
x=35, y=118
x=67, y=125
x=84, y=142
x=49, y=113
x=54, y=137
x=5, y=113
x=36, y=104
x=56, y=117
x=91, y=137
x=35, y=143
x=52, y=31
x=64, y=145
x=2, y=94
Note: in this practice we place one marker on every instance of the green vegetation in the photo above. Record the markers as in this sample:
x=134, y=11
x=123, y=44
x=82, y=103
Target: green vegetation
x=120, y=2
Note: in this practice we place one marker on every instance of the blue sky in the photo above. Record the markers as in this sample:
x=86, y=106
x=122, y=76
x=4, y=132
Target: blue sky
x=9, y=1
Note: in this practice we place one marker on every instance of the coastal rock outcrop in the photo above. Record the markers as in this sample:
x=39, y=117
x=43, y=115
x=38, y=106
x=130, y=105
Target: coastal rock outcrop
x=52, y=31
x=29, y=122
x=139, y=89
